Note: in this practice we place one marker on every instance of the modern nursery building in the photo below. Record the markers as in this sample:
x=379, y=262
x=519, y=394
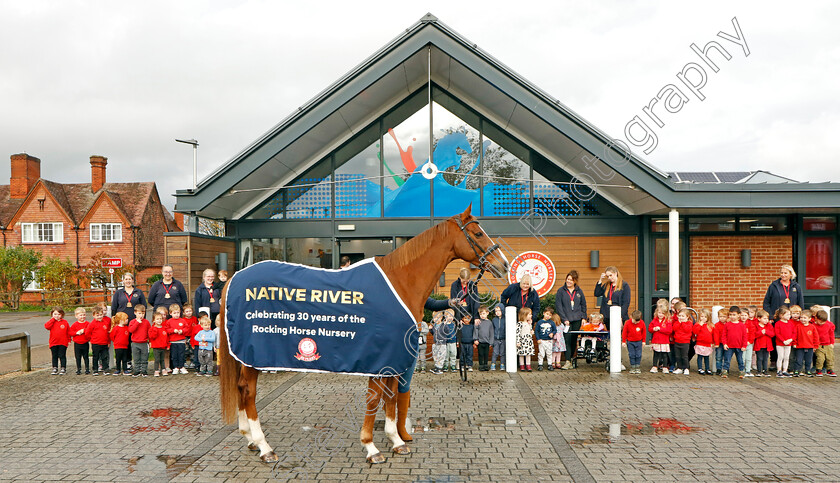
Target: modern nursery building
x=342, y=176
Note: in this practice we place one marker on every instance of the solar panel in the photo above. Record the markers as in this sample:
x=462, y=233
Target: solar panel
x=698, y=177
x=732, y=176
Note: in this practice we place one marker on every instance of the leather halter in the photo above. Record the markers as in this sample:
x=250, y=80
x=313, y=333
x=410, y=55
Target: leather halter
x=483, y=265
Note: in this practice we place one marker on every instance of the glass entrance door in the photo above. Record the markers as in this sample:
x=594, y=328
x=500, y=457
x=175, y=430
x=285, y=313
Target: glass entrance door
x=361, y=248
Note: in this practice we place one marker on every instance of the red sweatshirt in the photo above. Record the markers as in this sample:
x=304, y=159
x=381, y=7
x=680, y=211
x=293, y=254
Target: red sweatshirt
x=158, y=337
x=660, y=336
x=177, y=324
x=717, y=332
x=764, y=337
x=735, y=335
x=99, y=332
x=807, y=337
x=59, y=332
x=633, y=331
x=751, y=325
x=784, y=331
x=139, y=330
x=82, y=338
x=826, y=332
x=196, y=328
x=704, y=335
x=674, y=321
x=683, y=331
x=120, y=336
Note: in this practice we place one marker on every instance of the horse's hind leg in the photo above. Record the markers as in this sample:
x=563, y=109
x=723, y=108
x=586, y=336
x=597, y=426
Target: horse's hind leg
x=248, y=398
x=399, y=446
x=374, y=395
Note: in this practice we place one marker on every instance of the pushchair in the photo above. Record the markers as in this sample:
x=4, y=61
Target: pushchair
x=592, y=353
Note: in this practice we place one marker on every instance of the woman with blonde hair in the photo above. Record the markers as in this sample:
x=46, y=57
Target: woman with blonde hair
x=615, y=291
x=783, y=291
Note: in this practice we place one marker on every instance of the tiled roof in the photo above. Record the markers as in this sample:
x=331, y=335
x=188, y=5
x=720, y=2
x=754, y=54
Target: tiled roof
x=77, y=200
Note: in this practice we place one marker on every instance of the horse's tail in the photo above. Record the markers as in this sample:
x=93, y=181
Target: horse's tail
x=228, y=371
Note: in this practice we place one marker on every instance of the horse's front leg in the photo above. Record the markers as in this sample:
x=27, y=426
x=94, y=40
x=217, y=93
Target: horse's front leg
x=399, y=446
x=374, y=395
x=248, y=402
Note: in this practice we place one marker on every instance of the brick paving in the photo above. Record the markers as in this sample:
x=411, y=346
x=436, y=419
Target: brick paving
x=581, y=425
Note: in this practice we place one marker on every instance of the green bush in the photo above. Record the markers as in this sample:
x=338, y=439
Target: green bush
x=58, y=281
x=18, y=268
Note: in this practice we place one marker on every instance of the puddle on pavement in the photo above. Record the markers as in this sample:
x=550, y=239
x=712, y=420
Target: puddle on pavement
x=166, y=419
x=610, y=433
x=172, y=465
x=420, y=425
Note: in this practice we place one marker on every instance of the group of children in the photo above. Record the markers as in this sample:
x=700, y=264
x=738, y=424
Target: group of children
x=748, y=333
x=167, y=334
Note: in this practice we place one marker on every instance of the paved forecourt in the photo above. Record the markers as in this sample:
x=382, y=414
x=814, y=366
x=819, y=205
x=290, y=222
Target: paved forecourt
x=581, y=425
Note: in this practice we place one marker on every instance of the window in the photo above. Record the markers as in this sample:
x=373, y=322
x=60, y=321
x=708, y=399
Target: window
x=819, y=262
x=34, y=285
x=42, y=232
x=105, y=232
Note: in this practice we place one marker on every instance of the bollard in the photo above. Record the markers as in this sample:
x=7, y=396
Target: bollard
x=510, y=339
x=25, y=348
x=616, y=325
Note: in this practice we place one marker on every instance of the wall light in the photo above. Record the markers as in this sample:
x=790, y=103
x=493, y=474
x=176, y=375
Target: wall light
x=746, y=258
x=594, y=259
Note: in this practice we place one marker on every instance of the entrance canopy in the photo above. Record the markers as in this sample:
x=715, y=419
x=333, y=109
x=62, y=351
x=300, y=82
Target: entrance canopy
x=431, y=51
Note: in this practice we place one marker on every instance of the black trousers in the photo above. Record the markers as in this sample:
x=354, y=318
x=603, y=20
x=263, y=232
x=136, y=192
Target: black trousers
x=761, y=357
x=59, y=354
x=681, y=351
x=660, y=359
x=571, y=339
x=100, y=353
x=121, y=358
x=483, y=353
x=81, y=352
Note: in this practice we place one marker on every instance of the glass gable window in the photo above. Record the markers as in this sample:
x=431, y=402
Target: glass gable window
x=457, y=155
x=357, y=177
x=308, y=197
x=406, y=148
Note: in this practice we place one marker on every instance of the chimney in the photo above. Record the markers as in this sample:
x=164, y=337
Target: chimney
x=97, y=172
x=26, y=170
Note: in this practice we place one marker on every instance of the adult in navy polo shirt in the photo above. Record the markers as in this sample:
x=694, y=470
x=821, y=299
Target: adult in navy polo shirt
x=127, y=297
x=208, y=296
x=167, y=291
x=466, y=291
x=522, y=294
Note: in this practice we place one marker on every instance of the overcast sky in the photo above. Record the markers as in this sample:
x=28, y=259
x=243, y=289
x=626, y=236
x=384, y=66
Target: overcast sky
x=124, y=79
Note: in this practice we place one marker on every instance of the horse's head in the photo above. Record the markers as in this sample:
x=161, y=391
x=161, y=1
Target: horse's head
x=476, y=246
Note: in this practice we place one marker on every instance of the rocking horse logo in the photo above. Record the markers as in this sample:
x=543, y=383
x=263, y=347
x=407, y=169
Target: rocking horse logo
x=539, y=266
x=307, y=350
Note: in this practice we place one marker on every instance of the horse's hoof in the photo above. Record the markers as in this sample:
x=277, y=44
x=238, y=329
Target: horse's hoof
x=376, y=459
x=253, y=447
x=269, y=457
x=403, y=449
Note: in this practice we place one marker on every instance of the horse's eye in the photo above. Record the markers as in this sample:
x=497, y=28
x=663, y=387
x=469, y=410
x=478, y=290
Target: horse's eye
x=479, y=235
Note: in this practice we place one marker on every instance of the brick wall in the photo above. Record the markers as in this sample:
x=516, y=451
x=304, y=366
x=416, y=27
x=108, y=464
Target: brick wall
x=716, y=274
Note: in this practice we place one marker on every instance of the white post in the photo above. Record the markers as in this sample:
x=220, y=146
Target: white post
x=673, y=254
x=715, y=319
x=510, y=339
x=616, y=325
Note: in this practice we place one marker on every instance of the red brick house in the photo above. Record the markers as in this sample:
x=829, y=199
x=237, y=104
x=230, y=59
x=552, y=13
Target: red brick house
x=75, y=221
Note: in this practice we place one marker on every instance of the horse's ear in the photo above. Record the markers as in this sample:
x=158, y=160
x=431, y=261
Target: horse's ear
x=466, y=214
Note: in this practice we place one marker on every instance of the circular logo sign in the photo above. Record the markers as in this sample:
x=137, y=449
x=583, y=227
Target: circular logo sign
x=307, y=350
x=538, y=266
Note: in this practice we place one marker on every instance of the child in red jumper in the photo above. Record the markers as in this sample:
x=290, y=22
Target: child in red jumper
x=748, y=352
x=139, y=329
x=633, y=338
x=763, y=344
x=734, y=341
x=785, y=334
x=178, y=331
x=806, y=341
x=703, y=332
x=825, y=353
x=660, y=329
x=121, y=338
x=59, y=339
x=717, y=334
x=159, y=340
x=100, y=339
x=81, y=340
x=682, y=331
x=195, y=328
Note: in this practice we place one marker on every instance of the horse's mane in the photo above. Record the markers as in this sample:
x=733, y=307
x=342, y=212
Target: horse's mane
x=415, y=247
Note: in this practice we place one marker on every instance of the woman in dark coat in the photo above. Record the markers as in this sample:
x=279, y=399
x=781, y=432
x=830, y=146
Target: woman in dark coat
x=127, y=298
x=466, y=291
x=783, y=291
x=521, y=295
x=570, y=306
x=615, y=292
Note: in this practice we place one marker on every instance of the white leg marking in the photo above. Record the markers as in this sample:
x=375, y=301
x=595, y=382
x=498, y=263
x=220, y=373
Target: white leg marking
x=259, y=437
x=244, y=427
x=371, y=449
x=391, y=432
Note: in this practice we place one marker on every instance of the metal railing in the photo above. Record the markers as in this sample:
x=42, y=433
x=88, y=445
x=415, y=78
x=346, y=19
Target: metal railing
x=25, y=348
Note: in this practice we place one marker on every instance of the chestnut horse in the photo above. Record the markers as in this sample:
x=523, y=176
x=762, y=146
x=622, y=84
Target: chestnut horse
x=413, y=270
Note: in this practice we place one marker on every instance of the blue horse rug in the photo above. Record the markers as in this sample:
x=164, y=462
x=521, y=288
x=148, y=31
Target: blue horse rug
x=285, y=316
